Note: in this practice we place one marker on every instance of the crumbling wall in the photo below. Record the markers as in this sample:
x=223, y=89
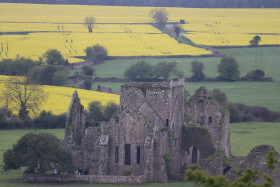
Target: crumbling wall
x=85, y=178
x=75, y=124
x=203, y=111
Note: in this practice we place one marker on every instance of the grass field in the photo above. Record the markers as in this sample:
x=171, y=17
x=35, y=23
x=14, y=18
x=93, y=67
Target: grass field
x=265, y=58
x=245, y=136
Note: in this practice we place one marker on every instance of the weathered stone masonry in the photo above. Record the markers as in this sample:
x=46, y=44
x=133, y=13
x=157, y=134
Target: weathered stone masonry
x=154, y=133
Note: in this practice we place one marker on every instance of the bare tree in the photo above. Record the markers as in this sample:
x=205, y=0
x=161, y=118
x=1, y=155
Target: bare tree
x=21, y=96
x=160, y=16
x=89, y=23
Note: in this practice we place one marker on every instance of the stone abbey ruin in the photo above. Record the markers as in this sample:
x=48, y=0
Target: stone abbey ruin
x=155, y=135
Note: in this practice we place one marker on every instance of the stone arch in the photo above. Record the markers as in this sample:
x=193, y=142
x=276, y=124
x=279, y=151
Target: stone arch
x=196, y=145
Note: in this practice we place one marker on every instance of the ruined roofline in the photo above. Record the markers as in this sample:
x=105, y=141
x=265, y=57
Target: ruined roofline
x=164, y=84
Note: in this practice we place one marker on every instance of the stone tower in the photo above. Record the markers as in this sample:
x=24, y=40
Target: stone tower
x=149, y=125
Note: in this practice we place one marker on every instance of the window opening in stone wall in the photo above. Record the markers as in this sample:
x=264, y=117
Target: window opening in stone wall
x=209, y=119
x=175, y=141
x=138, y=154
x=167, y=122
x=201, y=106
x=127, y=152
x=202, y=120
x=117, y=154
x=194, y=155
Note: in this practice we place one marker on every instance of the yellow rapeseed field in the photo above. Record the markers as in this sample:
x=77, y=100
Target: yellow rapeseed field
x=59, y=97
x=125, y=31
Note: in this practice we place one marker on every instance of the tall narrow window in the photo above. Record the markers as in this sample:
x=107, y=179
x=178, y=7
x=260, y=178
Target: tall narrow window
x=127, y=151
x=194, y=155
x=138, y=155
x=209, y=119
x=167, y=122
x=117, y=154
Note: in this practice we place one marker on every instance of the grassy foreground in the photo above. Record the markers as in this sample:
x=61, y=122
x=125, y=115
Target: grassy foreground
x=244, y=137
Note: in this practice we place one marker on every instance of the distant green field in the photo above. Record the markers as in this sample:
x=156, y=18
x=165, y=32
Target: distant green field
x=264, y=58
x=245, y=136
x=250, y=93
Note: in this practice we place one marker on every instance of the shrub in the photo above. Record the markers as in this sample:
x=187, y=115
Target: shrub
x=97, y=53
x=255, y=75
x=87, y=84
x=88, y=70
x=59, y=78
x=219, y=96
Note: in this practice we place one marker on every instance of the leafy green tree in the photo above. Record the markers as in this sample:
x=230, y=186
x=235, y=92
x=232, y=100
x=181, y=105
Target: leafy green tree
x=165, y=69
x=160, y=16
x=95, y=114
x=89, y=23
x=40, y=153
x=87, y=84
x=256, y=75
x=271, y=160
x=197, y=71
x=18, y=94
x=141, y=70
x=53, y=57
x=59, y=78
x=17, y=66
x=219, y=96
x=45, y=120
x=228, y=69
x=88, y=70
x=234, y=113
x=110, y=110
x=197, y=175
x=97, y=53
x=255, y=41
x=48, y=75
x=177, y=29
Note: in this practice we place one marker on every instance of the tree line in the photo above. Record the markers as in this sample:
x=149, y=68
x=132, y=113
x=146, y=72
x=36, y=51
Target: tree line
x=165, y=3
x=228, y=70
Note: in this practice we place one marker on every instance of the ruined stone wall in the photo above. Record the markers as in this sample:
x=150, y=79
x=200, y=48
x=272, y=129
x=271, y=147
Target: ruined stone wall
x=201, y=110
x=163, y=104
x=131, y=129
x=75, y=124
x=85, y=178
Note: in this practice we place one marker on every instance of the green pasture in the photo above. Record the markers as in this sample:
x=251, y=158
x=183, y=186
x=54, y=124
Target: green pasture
x=245, y=136
x=264, y=58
